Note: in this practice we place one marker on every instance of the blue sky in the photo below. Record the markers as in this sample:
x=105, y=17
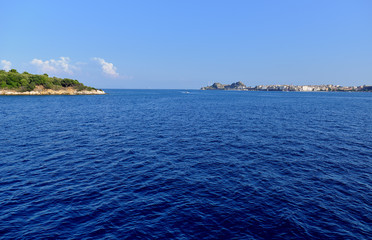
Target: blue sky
x=190, y=44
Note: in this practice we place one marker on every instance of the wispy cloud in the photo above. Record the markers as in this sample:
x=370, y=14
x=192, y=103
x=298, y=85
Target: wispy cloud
x=107, y=68
x=6, y=65
x=62, y=65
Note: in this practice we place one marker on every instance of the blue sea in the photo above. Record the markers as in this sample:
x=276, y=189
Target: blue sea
x=177, y=164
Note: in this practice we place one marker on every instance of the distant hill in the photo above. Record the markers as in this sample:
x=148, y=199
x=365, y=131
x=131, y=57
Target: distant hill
x=219, y=86
x=12, y=82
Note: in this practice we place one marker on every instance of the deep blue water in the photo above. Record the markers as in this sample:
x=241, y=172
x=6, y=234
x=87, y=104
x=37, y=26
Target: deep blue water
x=163, y=164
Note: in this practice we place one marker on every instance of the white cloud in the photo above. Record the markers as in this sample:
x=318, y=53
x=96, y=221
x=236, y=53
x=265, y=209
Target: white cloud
x=107, y=67
x=6, y=65
x=54, y=66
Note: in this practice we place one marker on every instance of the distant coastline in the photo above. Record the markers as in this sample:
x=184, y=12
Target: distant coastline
x=15, y=83
x=239, y=86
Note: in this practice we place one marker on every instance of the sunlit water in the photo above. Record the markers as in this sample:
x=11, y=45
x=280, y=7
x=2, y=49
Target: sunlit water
x=160, y=164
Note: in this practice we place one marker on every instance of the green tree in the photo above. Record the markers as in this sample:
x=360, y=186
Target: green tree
x=30, y=86
x=3, y=84
x=48, y=85
x=24, y=82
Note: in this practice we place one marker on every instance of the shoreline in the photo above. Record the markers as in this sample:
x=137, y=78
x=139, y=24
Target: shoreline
x=45, y=92
x=239, y=90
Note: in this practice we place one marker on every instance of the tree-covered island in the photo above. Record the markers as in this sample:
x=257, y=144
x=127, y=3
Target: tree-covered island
x=15, y=83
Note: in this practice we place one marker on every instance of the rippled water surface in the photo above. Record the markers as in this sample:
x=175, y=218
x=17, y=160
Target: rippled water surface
x=163, y=164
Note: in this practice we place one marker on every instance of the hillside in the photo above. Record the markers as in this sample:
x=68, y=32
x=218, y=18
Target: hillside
x=13, y=82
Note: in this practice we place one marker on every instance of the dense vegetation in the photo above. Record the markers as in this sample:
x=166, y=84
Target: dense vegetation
x=27, y=82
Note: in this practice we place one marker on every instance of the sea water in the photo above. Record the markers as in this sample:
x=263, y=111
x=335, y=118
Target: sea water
x=175, y=164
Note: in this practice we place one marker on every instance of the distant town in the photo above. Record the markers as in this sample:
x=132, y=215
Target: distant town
x=295, y=88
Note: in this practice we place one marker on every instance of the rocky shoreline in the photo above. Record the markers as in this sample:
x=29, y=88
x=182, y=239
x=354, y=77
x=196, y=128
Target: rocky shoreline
x=42, y=91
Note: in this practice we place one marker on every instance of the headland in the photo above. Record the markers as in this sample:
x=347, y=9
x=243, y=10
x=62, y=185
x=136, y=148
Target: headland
x=14, y=83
